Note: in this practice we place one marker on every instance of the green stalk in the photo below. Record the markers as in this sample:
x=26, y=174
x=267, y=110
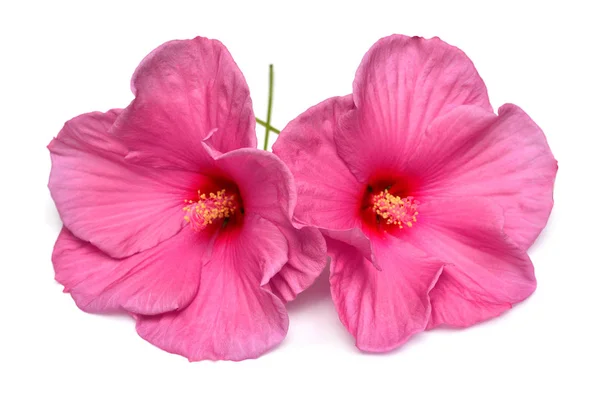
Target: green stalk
x=264, y=124
x=269, y=107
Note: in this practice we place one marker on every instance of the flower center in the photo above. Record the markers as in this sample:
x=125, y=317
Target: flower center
x=208, y=208
x=394, y=209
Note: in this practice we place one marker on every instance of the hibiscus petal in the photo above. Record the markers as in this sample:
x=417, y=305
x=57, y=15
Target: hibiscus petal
x=486, y=271
x=265, y=183
x=471, y=152
x=232, y=316
x=356, y=238
x=382, y=309
x=187, y=91
x=157, y=280
x=120, y=208
x=328, y=195
x=454, y=304
x=307, y=258
x=402, y=84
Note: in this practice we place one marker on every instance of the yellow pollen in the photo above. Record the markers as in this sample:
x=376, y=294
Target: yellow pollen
x=209, y=208
x=394, y=209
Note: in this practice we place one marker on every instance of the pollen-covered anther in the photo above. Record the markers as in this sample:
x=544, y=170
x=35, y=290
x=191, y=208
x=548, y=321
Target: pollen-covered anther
x=394, y=209
x=208, y=208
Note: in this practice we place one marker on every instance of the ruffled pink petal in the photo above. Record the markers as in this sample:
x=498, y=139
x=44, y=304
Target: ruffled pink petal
x=120, y=208
x=307, y=255
x=454, y=304
x=403, y=84
x=265, y=183
x=382, y=309
x=356, y=238
x=233, y=316
x=187, y=91
x=328, y=194
x=485, y=272
x=267, y=189
x=471, y=152
x=163, y=278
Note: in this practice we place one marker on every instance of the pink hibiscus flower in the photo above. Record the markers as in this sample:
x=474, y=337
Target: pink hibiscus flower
x=171, y=214
x=428, y=200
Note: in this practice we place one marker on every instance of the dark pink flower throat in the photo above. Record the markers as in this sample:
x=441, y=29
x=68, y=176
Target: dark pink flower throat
x=388, y=205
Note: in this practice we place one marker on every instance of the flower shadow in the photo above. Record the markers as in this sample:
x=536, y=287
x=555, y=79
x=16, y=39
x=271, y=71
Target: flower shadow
x=52, y=218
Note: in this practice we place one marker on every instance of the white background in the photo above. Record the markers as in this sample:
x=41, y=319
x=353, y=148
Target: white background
x=58, y=60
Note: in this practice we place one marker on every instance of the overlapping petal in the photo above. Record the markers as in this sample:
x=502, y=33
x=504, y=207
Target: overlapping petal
x=187, y=91
x=485, y=271
x=356, y=238
x=382, y=309
x=307, y=256
x=232, y=316
x=161, y=279
x=328, y=193
x=265, y=183
x=403, y=84
x=119, y=207
x=267, y=188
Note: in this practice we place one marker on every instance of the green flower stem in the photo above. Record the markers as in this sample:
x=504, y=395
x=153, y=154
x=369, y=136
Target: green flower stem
x=264, y=124
x=269, y=108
